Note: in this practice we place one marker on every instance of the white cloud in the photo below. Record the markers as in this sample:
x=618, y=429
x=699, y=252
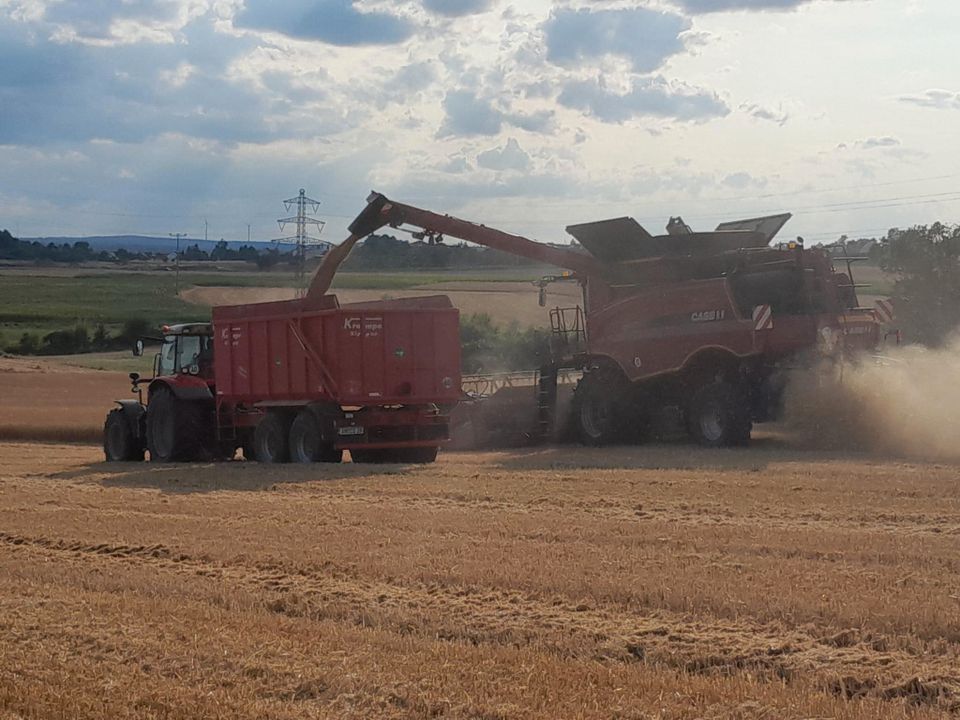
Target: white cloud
x=466, y=114
x=778, y=116
x=645, y=37
x=510, y=157
x=878, y=142
x=937, y=99
x=337, y=22
x=458, y=8
x=712, y=6
x=647, y=96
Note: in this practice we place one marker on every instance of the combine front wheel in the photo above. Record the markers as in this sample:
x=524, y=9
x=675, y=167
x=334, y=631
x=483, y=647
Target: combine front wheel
x=598, y=408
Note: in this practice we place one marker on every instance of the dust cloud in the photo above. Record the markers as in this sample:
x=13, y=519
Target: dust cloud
x=906, y=403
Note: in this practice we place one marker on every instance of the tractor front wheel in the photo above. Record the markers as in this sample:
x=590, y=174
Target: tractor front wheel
x=119, y=442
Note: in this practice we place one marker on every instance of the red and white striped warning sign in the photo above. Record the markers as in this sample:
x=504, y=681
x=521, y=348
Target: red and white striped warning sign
x=884, y=310
x=763, y=317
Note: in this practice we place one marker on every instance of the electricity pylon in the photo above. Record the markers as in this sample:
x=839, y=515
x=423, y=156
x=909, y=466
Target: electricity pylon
x=302, y=238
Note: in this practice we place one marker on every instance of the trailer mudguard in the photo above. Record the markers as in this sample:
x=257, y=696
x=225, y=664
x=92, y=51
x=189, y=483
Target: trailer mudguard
x=133, y=413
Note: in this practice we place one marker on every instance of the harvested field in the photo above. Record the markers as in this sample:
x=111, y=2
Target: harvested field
x=666, y=582
x=43, y=399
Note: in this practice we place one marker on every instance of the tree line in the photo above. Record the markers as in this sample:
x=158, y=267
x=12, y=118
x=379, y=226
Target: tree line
x=377, y=252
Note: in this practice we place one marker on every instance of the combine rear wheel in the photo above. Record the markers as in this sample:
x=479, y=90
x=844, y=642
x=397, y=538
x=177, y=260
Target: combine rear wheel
x=175, y=428
x=719, y=415
x=270, y=438
x=119, y=442
x=307, y=444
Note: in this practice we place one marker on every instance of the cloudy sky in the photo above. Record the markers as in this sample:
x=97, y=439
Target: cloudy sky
x=152, y=116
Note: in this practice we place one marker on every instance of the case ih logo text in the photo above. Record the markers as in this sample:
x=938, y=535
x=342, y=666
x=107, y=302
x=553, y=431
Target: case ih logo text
x=708, y=316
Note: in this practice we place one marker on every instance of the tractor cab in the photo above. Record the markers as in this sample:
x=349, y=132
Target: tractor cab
x=187, y=349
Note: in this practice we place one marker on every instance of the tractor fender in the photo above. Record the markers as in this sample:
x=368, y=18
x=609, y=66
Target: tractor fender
x=133, y=413
x=184, y=387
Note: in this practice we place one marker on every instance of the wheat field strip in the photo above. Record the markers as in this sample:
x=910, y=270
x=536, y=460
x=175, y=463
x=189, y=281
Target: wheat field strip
x=847, y=662
x=685, y=570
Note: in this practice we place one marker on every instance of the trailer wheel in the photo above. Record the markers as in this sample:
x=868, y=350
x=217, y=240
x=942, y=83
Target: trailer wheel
x=599, y=408
x=306, y=441
x=270, y=438
x=119, y=442
x=719, y=415
x=175, y=429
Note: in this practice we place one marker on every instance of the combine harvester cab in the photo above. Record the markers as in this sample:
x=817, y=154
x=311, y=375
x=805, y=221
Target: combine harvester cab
x=299, y=380
x=707, y=323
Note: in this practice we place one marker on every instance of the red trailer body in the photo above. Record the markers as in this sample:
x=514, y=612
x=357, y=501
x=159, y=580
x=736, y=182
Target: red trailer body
x=384, y=374
x=388, y=353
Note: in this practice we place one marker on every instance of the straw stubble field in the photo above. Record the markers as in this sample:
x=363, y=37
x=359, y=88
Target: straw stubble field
x=664, y=582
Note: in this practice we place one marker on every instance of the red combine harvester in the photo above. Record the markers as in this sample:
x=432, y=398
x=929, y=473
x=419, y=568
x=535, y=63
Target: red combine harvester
x=299, y=380
x=707, y=323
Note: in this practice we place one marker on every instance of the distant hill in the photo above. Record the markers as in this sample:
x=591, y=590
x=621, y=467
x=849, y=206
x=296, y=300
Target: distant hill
x=149, y=244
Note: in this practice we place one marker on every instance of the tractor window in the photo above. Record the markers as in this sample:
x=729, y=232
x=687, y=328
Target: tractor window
x=168, y=353
x=194, y=350
x=179, y=352
x=188, y=351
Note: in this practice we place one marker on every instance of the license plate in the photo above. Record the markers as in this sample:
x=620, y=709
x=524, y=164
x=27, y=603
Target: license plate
x=353, y=430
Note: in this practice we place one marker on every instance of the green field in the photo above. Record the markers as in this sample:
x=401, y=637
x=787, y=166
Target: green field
x=39, y=302
x=44, y=304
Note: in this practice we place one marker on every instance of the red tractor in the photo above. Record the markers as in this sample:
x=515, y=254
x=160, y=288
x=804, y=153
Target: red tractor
x=707, y=323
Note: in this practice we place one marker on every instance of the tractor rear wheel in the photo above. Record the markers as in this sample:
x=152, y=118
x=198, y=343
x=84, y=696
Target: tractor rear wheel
x=600, y=408
x=307, y=444
x=270, y=444
x=175, y=428
x=119, y=442
x=719, y=415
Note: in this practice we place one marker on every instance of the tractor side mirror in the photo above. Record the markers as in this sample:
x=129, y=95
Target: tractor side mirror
x=138, y=348
x=542, y=299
